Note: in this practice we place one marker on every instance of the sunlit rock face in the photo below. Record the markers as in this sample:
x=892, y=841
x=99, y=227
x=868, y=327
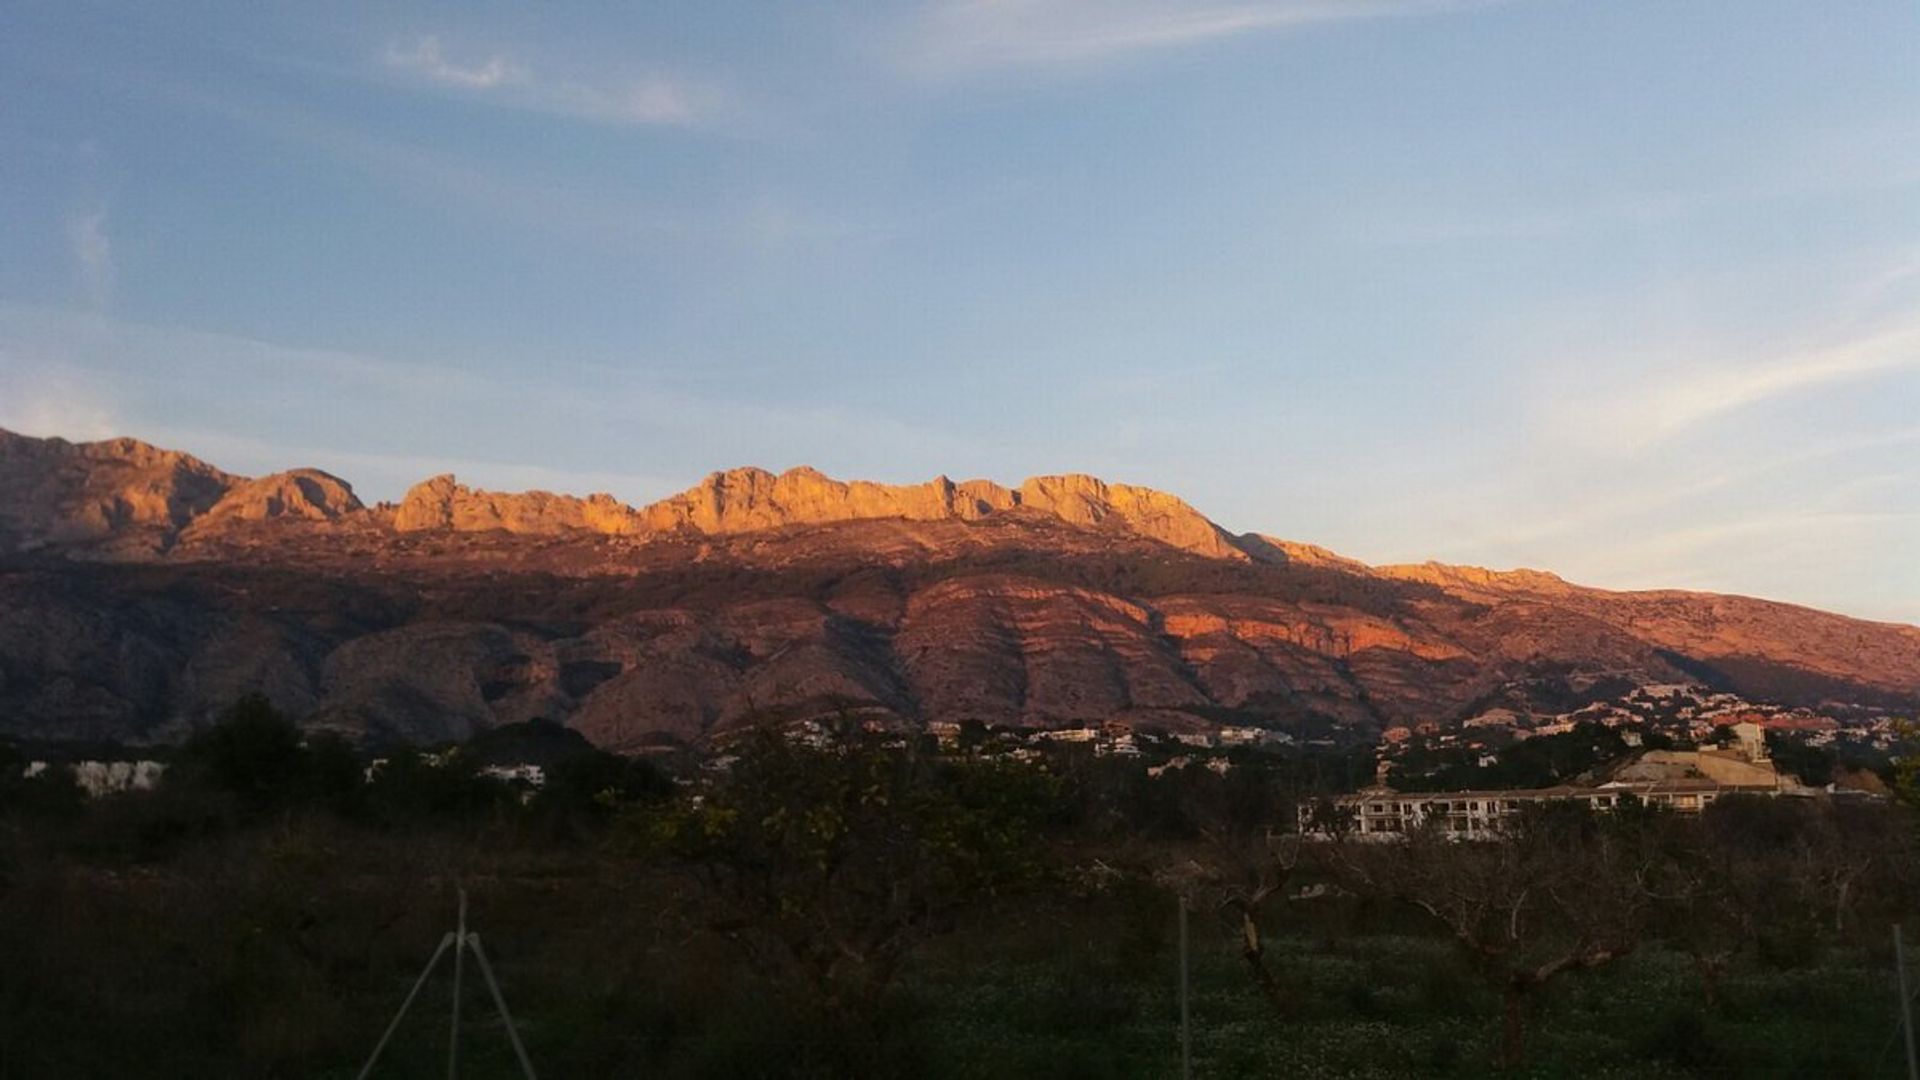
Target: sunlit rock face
x=143, y=590
x=443, y=503
x=308, y=494
x=752, y=500
x=118, y=492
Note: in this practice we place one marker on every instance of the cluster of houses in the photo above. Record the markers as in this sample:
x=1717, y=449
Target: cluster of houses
x=1681, y=711
x=1685, y=781
x=98, y=779
x=1115, y=738
x=102, y=778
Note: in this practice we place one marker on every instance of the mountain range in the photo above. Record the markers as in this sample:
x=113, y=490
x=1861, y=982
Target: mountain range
x=142, y=590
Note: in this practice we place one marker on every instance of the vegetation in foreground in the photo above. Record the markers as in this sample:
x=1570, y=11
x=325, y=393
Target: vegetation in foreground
x=864, y=911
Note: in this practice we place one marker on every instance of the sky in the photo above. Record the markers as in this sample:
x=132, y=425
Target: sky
x=1627, y=290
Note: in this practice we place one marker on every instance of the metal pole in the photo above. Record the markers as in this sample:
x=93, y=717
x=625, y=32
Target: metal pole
x=500, y=1002
x=1906, y=1002
x=445, y=941
x=453, y=1032
x=1186, y=1030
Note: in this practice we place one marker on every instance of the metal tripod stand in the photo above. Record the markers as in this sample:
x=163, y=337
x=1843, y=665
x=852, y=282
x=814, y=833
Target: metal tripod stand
x=460, y=940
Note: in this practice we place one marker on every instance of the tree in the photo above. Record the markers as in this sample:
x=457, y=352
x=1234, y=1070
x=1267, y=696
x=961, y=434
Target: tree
x=583, y=791
x=1558, y=890
x=410, y=784
x=1710, y=900
x=334, y=774
x=251, y=752
x=1906, y=763
x=1240, y=875
x=1239, y=865
x=828, y=865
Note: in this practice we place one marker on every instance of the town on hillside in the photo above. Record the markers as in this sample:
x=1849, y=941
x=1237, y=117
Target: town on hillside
x=1678, y=746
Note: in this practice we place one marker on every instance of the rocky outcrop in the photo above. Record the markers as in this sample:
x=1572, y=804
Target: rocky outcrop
x=1084, y=500
x=1275, y=550
x=116, y=493
x=1475, y=578
x=443, y=503
x=744, y=500
x=127, y=493
x=753, y=500
x=301, y=494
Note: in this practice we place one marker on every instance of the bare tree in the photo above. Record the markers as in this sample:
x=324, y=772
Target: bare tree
x=1241, y=876
x=1556, y=890
x=828, y=865
x=1239, y=865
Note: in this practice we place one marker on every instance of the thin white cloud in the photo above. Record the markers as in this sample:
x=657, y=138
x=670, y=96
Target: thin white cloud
x=645, y=100
x=92, y=255
x=959, y=36
x=1718, y=555
x=425, y=58
x=1671, y=396
x=1691, y=400
x=1611, y=509
x=64, y=373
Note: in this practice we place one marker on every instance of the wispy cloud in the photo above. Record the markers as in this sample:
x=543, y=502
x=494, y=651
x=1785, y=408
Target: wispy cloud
x=1720, y=555
x=442, y=180
x=1691, y=400
x=1631, y=500
x=92, y=255
x=1670, y=395
x=650, y=99
x=62, y=373
x=538, y=199
x=425, y=58
x=969, y=35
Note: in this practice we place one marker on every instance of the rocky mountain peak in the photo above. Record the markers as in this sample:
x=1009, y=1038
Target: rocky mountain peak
x=1477, y=577
x=442, y=502
x=1085, y=500
x=749, y=499
x=307, y=494
x=61, y=492
x=116, y=490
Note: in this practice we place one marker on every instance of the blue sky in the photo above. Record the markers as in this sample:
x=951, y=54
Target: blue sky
x=1627, y=290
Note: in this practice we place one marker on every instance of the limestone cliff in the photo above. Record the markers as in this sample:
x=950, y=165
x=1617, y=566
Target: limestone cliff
x=752, y=499
x=119, y=492
x=305, y=494
x=743, y=500
x=443, y=503
x=1084, y=500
